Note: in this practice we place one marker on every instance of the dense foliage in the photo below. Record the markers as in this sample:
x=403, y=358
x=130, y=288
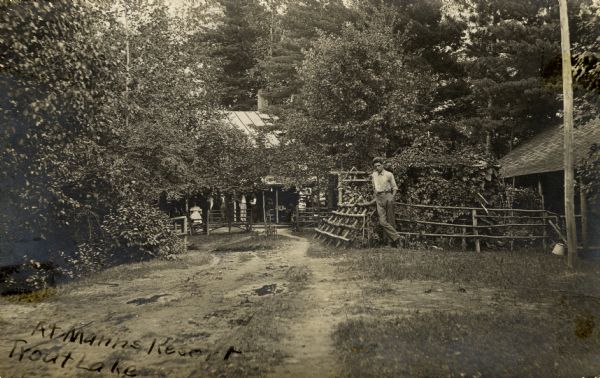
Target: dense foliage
x=589, y=171
x=238, y=41
x=295, y=26
x=586, y=70
x=389, y=75
x=105, y=110
x=108, y=106
x=434, y=172
x=366, y=95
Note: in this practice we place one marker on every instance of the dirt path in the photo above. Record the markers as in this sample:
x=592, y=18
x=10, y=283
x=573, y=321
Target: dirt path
x=274, y=304
x=179, y=318
x=325, y=303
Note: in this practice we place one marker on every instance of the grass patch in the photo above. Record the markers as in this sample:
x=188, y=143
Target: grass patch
x=31, y=297
x=523, y=270
x=208, y=242
x=320, y=250
x=245, y=257
x=307, y=233
x=258, y=336
x=298, y=274
x=506, y=343
x=253, y=243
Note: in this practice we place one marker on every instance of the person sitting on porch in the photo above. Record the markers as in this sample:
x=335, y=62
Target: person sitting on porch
x=196, y=217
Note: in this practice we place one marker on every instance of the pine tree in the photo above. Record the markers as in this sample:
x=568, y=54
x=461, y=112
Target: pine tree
x=238, y=40
x=298, y=25
x=432, y=38
x=511, y=46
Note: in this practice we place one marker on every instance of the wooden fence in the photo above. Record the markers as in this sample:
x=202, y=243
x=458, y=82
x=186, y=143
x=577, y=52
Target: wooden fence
x=310, y=217
x=180, y=226
x=218, y=218
x=477, y=225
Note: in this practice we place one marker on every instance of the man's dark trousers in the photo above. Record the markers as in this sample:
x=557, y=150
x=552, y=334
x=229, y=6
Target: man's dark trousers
x=387, y=218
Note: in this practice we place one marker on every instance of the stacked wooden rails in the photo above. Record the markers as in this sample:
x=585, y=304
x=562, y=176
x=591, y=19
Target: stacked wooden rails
x=350, y=223
x=346, y=225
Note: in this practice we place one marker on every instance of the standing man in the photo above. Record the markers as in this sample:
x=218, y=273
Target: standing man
x=385, y=188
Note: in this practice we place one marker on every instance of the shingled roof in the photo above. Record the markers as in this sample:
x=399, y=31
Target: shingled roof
x=544, y=152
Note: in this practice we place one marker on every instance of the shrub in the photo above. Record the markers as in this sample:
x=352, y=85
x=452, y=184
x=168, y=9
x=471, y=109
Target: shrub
x=433, y=172
x=134, y=231
x=137, y=226
x=589, y=170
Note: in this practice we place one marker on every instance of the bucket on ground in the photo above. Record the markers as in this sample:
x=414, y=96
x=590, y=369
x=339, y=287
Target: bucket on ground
x=559, y=249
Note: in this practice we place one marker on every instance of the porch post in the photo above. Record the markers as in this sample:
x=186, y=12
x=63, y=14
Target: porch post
x=276, y=205
x=264, y=211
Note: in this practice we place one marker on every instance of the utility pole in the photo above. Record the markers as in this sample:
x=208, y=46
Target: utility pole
x=567, y=74
x=126, y=65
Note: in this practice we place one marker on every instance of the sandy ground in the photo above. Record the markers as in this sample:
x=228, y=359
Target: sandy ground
x=191, y=317
x=202, y=303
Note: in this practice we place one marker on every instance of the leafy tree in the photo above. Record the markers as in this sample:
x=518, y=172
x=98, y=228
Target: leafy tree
x=586, y=15
x=385, y=77
x=93, y=136
x=586, y=71
x=231, y=160
x=360, y=93
x=427, y=32
x=57, y=92
x=169, y=95
x=589, y=171
x=299, y=159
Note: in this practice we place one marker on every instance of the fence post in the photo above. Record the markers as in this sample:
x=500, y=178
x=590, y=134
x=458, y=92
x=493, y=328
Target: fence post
x=364, y=224
x=463, y=242
x=185, y=231
x=276, y=206
x=584, y=219
x=250, y=214
x=545, y=232
x=208, y=222
x=229, y=210
x=542, y=199
x=264, y=210
x=475, y=231
x=511, y=233
x=297, y=219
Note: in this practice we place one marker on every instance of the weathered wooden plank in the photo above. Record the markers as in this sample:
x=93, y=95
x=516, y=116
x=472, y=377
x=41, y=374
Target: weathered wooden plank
x=472, y=236
x=333, y=235
x=348, y=214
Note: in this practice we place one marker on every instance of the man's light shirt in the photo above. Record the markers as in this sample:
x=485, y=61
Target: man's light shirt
x=384, y=181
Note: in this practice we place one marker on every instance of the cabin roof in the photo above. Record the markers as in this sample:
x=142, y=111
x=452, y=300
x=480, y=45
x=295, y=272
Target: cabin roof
x=544, y=152
x=251, y=122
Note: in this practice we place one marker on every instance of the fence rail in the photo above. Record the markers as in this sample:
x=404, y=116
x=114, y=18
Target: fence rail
x=478, y=225
x=219, y=218
x=310, y=217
